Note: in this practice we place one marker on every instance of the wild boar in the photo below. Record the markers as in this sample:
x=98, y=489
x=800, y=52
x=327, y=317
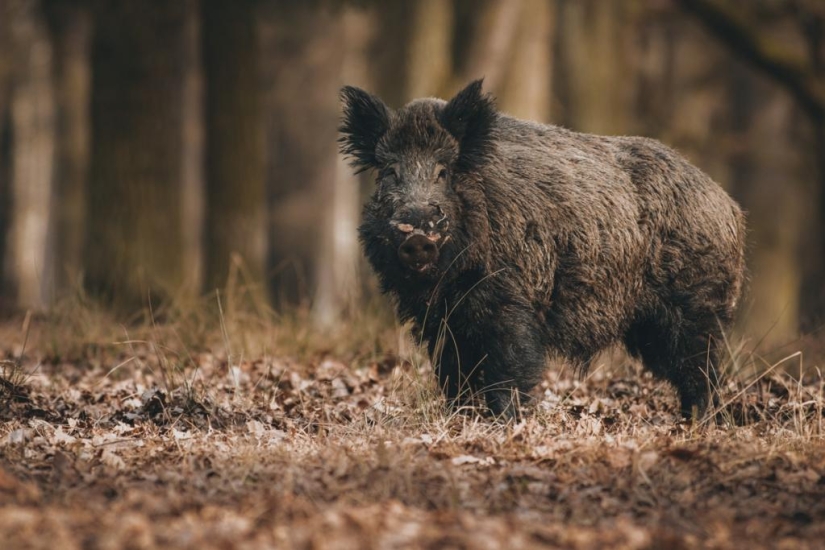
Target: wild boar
x=507, y=241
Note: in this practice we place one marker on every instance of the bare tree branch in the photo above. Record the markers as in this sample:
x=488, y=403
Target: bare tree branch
x=769, y=57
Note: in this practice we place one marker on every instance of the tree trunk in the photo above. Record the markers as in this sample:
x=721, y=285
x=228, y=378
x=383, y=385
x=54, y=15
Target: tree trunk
x=134, y=236
x=492, y=36
x=6, y=294
x=389, y=52
x=33, y=131
x=5, y=56
x=70, y=27
x=304, y=56
x=813, y=290
x=192, y=180
x=339, y=284
x=429, y=55
x=525, y=92
x=235, y=142
x=813, y=287
x=761, y=119
x=594, y=65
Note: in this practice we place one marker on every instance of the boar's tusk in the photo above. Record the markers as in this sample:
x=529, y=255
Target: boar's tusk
x=405, y=227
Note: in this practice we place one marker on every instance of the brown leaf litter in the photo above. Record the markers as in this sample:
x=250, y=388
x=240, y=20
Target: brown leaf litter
x=343, y=452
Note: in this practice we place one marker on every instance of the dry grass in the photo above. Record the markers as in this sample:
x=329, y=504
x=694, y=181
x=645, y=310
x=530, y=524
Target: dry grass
x=200, y=430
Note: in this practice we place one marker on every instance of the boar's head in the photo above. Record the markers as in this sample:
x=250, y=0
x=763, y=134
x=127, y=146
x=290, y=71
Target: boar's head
x=427, y=216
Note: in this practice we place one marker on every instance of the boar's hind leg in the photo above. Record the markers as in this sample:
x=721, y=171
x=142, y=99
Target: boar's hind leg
x=686, y=353
x=514, y=360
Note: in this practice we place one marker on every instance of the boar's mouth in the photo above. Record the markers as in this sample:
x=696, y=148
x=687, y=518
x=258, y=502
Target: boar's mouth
x=419, y=251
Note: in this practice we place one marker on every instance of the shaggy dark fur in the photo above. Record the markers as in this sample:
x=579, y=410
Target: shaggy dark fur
x=506, y=240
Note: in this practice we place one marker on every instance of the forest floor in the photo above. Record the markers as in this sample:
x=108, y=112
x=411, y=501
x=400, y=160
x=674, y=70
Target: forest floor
x=158, y=438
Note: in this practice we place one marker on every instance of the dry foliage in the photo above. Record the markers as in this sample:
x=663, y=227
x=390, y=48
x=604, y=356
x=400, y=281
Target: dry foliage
x=259, y=434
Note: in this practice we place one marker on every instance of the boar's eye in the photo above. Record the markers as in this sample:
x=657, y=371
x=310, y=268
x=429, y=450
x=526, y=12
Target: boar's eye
x=442, y=174
x=390, y=173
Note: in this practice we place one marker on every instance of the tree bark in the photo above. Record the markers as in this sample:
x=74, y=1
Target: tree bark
x=134, y=235
x=235, y=142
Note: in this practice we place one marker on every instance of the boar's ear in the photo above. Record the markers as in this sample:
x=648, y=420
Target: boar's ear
x=469, y=117
x=365, y=120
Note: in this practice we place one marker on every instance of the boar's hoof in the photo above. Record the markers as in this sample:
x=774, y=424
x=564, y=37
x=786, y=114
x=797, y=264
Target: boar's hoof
x=417, y=252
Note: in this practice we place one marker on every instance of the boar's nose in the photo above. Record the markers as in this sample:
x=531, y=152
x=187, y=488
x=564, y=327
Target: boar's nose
x=417, y=252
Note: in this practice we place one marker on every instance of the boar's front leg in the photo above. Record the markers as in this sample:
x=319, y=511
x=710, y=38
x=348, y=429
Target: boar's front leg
x=514, y=359
x=456, y=365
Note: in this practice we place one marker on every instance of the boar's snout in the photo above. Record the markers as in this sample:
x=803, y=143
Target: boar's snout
x=418, y=252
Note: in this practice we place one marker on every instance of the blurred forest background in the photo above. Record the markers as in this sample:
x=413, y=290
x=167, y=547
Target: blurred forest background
x=174, y=147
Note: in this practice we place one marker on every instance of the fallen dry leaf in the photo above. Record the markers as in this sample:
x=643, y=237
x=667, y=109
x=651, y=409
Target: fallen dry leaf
x=337, y=450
